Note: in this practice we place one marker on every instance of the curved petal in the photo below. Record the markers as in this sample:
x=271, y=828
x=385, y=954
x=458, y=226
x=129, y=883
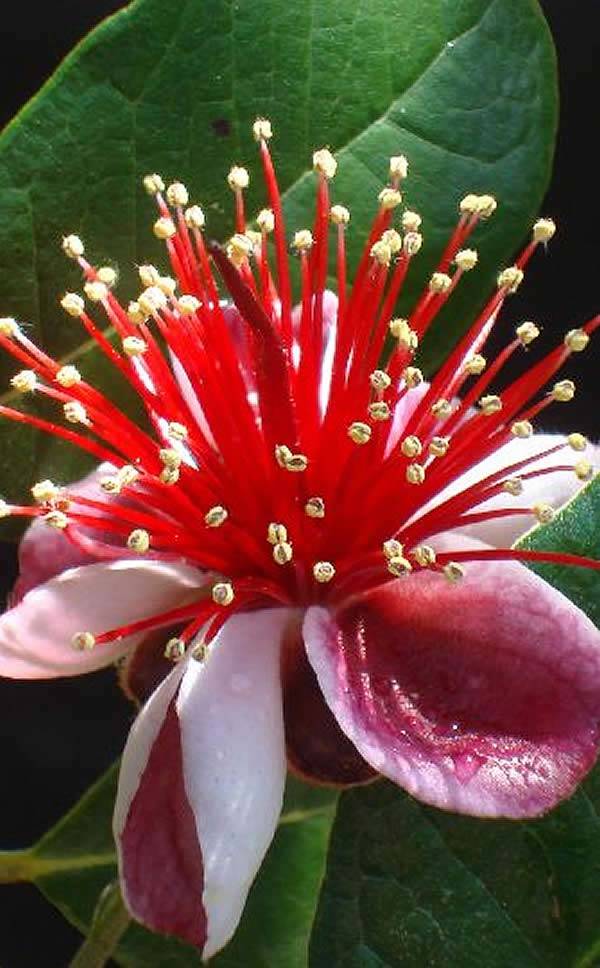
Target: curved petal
x=35, y=635
x=554, y=489
x=481, y=697
x=202, y=783
x=44, y=552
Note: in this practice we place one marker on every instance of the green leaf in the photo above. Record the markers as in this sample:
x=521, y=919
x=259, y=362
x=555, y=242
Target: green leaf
x=408, y=886
x=576, y=530
x=466, y=89
x=74, y=863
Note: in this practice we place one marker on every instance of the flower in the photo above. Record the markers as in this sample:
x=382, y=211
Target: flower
x=328, y=535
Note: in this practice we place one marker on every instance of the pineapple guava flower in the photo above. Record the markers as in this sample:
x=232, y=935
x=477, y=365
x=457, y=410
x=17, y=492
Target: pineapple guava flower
x=326, y=536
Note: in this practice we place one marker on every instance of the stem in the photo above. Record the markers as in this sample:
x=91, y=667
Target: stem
x=16, y=865
x=111, y=920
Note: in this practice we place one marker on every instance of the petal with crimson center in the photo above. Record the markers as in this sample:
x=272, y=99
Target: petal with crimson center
x=201, y=785
x=481, y=697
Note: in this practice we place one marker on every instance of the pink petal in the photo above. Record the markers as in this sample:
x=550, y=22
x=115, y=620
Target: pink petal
x=44, y=552
x=35, y=636
x=207, y=747
x=481, y=697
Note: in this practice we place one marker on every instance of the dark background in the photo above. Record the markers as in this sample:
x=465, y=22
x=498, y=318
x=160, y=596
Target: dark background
x=57, y=738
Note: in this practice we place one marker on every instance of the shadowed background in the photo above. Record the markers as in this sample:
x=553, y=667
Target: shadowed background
x=57, y=738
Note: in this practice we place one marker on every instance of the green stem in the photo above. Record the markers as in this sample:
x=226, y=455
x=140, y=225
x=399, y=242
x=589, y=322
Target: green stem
x=16, y=865
x=26, y=865
x=111, y=919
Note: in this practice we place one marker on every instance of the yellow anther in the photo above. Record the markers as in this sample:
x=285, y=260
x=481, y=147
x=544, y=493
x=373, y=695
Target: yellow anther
x=168, y=285
x=303, y=240
x=149, y=275
x=72, y=304
x=164, y=228
x=379, y=380
x=475, y=365
x=128, y=474
x=453, y=571
x=339, y=215
x=577, y=441
x=153, y=184
x=415, y=473
x=188, y=305
x=174, y=650
x=135, y=314
x=262, y=130
x=56, y=519
x=170, y=457
x=381, y=253
x=411, y=446
x=177, y=431
x=194, y=217
x=469, y=204
x=563, y=391
x=96, y=291
x=282, y=454
x=513, y=486
x=266, y=220
x=411, y=221
x=25, y=381
x=107, y=275
x=583, y=470
x=441, y=409
x=152, y=300
x=169, y=475
x=359, y=432
x=111, y=484
x=283, y=552
x=254, y=237
x=576, y=340
x=389, y=198
x=222, y=593
x=72, y=246
x=83, y=641
x=398, y=166
x=521, y=429
x=177, y=194
x=289, y=461
x=138, y=541
x=510, y=279
x=323, y=571
x=324, y=163
x=527, y=332
x=200, y=652
x=392, y=239
x=413, y=242
x=466, y=259
x=392, y=548
x=134, y=346
x=486, y=206
x=399, y=566
x=75, y=412
x=412, y=377
x=315, y=507
x=68, y=376
x=544, y=513
x=438, y=446
x=239, y=249
x=424, y=555
x=5, y=509
x=543, y=230
x=8, y=327
x=238, y=178
x=440, y=282
x=490, y=404
x=45, y=491
x=401, y=330
x=379, y=410
x=216, y=516
x=276, y=533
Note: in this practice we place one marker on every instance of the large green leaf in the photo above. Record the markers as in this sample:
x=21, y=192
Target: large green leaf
x=466, y=89
x=74, y=864
x=408, y=886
